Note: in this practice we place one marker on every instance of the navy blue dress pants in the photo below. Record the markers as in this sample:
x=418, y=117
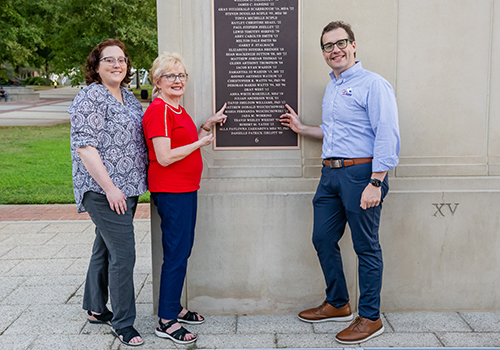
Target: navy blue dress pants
x=337, y=202
x=178, y=219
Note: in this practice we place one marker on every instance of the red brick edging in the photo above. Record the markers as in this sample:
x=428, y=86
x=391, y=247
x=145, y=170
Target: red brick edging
x=56, y=212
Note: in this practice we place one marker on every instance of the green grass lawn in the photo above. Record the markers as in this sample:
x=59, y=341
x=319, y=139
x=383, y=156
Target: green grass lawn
x=35, y=165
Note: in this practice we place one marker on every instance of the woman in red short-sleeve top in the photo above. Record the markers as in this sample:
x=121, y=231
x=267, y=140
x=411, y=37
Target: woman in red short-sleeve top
x=174, y=175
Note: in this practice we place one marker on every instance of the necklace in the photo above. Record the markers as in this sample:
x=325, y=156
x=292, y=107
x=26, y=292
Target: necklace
x=170, y=107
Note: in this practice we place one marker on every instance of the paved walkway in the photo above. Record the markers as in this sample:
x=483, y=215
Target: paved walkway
x=49, y=110
x=55, y=212
x=43, y=261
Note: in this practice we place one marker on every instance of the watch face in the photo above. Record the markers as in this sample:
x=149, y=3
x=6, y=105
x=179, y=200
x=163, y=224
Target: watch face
x=376, y=182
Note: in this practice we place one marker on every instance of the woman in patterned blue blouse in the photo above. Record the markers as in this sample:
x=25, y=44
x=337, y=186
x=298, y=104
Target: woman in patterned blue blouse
x=109, y=173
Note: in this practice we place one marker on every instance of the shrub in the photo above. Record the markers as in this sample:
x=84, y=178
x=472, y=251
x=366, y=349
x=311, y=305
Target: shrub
x=36, y=81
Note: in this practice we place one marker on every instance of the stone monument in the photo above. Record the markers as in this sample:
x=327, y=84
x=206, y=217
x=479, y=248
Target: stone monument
x=440, y=222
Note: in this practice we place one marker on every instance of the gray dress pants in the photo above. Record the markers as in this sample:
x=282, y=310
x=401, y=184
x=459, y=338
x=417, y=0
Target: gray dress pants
x=112, y=262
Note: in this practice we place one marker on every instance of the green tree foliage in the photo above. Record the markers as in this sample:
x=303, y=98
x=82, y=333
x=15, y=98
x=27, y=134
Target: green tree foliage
x=57, y=35
x=19, y=37
x=86, y=23
x=43, y=15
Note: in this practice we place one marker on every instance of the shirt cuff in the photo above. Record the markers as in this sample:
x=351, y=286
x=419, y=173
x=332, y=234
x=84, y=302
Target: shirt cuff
x=386, y=164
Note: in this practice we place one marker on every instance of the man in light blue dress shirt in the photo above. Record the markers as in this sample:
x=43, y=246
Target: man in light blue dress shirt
x=361, y=144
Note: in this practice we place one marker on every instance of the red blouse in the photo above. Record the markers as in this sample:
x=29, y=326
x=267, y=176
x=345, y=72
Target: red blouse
x=163, y=120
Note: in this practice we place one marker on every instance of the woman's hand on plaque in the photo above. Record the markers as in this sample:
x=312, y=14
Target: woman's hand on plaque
x=218, y=117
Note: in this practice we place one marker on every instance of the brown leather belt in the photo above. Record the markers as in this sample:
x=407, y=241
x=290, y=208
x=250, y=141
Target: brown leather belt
x=339, y=163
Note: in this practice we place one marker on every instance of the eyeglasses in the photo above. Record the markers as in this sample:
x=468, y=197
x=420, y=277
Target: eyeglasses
x=172, y=77
x=341, y=44
x=111, y=60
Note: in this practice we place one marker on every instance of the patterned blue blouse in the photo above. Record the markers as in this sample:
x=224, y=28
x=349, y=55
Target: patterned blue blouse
x=115, y=130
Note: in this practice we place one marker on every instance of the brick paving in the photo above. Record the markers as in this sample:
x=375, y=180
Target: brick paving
x=18, y=106
x=55, y=212
x=49, y=110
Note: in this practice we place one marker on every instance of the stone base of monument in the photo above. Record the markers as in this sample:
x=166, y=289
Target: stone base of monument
x=21, y=94
x=253, y=252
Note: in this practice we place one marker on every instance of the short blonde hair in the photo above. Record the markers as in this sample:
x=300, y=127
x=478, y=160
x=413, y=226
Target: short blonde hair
x=165, y=62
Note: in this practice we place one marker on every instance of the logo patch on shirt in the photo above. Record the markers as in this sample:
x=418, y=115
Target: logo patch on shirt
x=347, y=92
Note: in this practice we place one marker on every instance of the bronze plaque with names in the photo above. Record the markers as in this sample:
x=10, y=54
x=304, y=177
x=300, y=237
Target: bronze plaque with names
x=256, y=71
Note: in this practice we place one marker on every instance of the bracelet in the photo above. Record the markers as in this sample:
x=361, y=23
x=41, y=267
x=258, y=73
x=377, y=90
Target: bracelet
x=207, y=129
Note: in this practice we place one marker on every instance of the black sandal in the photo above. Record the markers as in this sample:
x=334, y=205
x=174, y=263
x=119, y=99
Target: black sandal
x=104, y=318
x=177, y=336
x=191, y=317
x=127, y=333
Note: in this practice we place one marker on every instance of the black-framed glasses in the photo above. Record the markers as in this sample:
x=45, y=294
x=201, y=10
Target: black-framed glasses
x=111, y=60
x=172, y=77
x=341, y=44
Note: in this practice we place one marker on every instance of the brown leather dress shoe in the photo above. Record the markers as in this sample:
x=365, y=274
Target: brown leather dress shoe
x=326, y=312
x=360, y=330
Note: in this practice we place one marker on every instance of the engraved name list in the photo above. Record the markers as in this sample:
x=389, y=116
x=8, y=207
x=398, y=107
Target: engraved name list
x=256, y=71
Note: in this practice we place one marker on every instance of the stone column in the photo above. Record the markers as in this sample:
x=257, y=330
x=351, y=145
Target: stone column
x=253, y=250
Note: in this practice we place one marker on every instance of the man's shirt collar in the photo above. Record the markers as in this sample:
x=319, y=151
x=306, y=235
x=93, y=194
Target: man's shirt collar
x=348, y=72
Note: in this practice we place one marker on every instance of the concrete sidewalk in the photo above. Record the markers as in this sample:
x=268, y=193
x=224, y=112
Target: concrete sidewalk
x=42, y=272
x=49, y=110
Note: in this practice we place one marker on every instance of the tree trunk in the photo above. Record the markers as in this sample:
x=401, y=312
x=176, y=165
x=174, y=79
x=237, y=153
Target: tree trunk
x=16, y=76
x=47, y=79
x=137, y=79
